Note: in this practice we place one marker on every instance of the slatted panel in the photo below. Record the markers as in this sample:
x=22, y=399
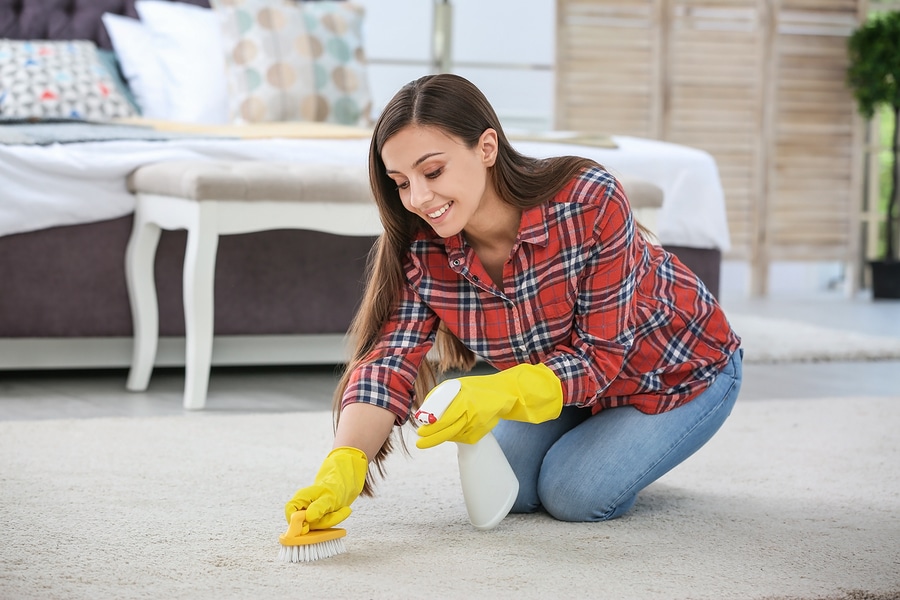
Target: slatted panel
x=715, y=86
x=607, y=67
x=814, y=186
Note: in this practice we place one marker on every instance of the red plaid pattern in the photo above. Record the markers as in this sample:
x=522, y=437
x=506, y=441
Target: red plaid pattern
x=620, y=321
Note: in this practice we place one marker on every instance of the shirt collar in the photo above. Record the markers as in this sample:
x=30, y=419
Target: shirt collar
x=534, y=227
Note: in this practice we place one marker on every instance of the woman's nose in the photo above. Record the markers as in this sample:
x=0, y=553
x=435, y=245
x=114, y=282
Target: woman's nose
x=419, y=193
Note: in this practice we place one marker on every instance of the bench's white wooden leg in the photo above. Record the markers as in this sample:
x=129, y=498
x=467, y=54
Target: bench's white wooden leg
x=139, y=277
x=199, y=274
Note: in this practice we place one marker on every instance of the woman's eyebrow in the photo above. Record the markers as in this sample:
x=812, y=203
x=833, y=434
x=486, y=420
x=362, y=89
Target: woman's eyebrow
x=422, y=159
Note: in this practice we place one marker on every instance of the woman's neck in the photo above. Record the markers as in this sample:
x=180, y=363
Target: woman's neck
x=496, y=223
x=492, y=236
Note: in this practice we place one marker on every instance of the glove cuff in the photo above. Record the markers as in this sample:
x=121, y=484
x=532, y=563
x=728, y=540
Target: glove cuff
x=350, y=452
x=540, y=391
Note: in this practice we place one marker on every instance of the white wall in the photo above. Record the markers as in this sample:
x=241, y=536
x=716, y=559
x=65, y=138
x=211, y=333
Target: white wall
x=485, y=33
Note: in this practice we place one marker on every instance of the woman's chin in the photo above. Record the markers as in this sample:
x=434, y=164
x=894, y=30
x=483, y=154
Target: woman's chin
x=445, y=229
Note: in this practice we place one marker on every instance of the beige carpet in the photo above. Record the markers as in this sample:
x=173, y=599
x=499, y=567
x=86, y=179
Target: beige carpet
x=770, y=340
x=793, y=499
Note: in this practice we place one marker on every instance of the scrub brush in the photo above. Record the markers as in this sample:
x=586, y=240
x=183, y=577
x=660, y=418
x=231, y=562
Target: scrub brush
x=300, y=547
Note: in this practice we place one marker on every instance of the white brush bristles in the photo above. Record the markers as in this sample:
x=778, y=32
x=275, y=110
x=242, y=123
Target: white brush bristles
x=311, y=552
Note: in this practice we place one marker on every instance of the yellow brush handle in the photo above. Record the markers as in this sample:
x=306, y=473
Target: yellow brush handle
x=299, y=534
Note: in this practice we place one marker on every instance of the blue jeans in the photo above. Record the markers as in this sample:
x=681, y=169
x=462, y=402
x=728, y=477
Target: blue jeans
x=580, y=467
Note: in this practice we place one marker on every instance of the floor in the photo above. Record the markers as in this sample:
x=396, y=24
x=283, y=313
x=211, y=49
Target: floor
x=101, y=393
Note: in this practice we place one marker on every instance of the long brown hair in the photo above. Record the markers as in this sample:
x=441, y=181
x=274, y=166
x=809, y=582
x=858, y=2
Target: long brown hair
x=458, y=108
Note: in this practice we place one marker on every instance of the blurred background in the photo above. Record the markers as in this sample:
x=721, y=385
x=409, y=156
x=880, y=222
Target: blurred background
x=759, y=84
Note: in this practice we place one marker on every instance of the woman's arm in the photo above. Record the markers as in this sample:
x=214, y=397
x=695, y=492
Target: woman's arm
x=362, y=430
x=364, y=426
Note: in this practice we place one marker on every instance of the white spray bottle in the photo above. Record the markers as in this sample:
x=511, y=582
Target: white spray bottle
x=488, y=483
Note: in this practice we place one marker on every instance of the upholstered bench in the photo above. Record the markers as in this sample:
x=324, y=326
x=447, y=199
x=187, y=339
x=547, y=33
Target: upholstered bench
x=213, y=198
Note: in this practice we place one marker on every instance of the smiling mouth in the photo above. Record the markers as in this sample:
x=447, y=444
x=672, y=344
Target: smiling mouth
x=440, y=211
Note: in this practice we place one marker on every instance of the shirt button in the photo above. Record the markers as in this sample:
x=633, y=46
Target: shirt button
x=475, y=277
x=455, y=263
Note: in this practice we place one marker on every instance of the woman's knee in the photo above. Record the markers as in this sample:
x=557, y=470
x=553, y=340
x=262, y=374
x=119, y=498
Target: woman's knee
x=576, y=499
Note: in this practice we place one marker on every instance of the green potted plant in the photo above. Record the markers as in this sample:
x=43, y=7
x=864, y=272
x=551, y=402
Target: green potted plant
x=874, y=76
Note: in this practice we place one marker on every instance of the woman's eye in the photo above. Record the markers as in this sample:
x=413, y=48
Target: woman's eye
x=434, y=174
x=403, y=186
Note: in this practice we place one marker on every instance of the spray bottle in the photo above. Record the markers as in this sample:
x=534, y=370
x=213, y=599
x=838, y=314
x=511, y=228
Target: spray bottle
x=489, y=485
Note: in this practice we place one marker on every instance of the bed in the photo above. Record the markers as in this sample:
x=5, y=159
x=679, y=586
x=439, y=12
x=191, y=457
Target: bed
x=65, y=218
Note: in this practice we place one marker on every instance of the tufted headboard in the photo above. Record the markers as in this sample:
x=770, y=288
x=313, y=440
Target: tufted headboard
x=64, y=19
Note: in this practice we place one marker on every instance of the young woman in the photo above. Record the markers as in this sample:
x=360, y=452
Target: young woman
x=614, y=362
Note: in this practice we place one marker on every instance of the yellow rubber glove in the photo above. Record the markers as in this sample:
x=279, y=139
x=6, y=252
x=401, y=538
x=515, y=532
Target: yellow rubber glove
x=530, y=393
x=339, y=481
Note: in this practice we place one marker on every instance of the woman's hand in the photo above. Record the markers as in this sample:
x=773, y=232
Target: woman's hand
x=530, y=393
x=339, y=481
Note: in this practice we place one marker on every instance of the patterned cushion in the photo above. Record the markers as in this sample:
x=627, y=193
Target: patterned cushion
x=342, y=88
x=65, y=79
x=269, y=69
x=289, y=62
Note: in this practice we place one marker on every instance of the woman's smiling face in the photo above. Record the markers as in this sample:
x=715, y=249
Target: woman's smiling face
x=438, y=177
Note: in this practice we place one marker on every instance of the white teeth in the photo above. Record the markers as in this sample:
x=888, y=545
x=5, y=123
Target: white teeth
x=439, y=212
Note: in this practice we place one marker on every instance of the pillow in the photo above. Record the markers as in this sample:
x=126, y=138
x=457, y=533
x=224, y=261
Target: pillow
x=335, y=31
x=187, y=42
x=173, y=60
x=269, y=66
x=109, y=60
x=290, y=62
x=132, y=43
x=57, y=79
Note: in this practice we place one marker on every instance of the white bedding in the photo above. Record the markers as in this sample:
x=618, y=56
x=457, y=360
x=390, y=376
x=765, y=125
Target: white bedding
x=66, y=184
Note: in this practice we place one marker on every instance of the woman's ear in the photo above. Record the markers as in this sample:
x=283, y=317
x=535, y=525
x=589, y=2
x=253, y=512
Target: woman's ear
x=487, y=144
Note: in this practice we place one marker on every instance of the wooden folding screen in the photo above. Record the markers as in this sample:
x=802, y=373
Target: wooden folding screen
x=815, y=150
x=609, y=67
x=759, y=84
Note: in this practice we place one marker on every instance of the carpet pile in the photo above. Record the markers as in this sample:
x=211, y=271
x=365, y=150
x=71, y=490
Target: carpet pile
x=792, y=499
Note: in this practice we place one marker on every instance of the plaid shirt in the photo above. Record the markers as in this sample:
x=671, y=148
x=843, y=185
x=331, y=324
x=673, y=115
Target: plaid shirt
x=620, y=321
